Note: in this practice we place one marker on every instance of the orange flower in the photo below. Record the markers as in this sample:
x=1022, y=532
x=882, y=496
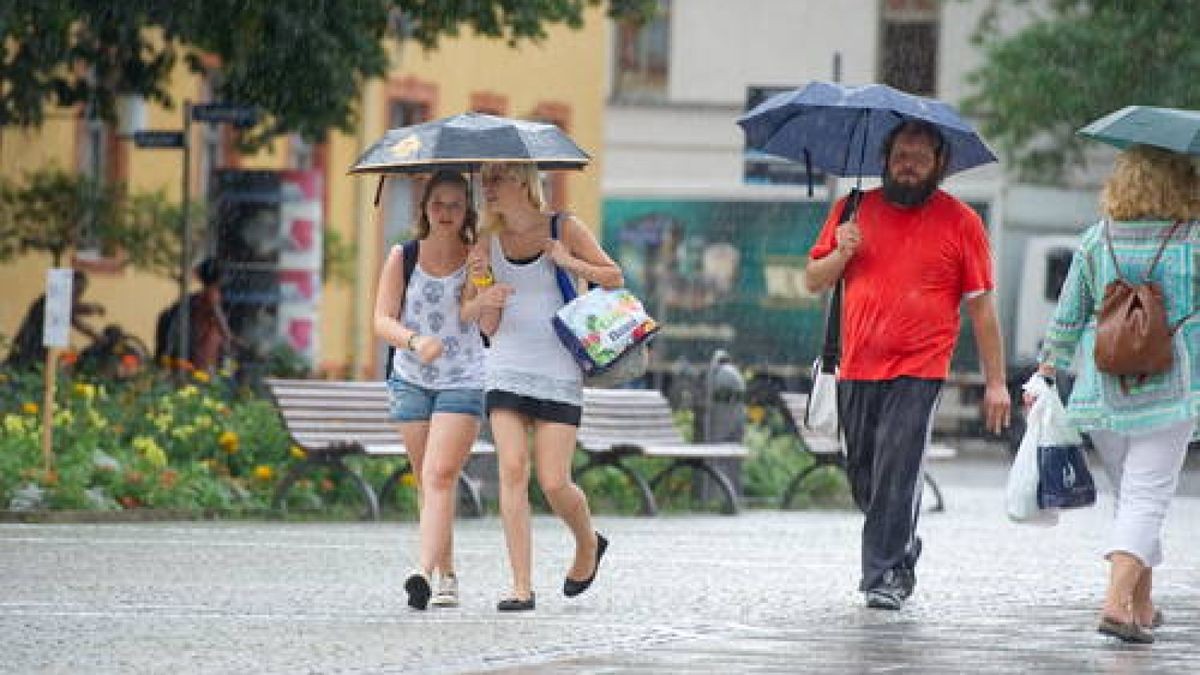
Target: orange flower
x=264, y=473
x=30, y=408
x=200, y=376
x=168, y=478
x=130, y=361
x=184, y=365
x=129, y=502
x=326, y=485
x=68, y=358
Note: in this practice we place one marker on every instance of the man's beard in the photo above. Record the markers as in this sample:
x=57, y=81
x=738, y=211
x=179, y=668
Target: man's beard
x=902, y=194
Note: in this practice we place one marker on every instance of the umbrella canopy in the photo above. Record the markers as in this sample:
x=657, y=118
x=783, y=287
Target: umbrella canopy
x=841, y=129
x=466, y=142
x=1169, y=128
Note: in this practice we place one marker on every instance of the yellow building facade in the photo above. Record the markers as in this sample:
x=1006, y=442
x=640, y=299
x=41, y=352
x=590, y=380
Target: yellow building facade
x=560, y=79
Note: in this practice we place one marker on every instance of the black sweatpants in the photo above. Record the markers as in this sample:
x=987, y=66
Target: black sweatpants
x=887, y=425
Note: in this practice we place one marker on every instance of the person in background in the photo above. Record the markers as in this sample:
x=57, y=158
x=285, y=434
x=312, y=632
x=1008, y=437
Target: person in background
x=436, y=385
x=27, y=349
x=534, y=387
x=1139, y=427
x=211, y=337
x=910, y=257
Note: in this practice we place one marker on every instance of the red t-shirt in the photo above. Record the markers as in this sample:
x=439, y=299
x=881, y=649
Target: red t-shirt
x=904, y=285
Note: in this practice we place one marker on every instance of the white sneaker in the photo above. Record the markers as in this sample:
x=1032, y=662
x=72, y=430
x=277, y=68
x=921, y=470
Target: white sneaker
x=445, y=592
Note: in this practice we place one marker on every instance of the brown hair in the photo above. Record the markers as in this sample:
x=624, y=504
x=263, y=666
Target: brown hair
x=1151, y=183
x=470, y=218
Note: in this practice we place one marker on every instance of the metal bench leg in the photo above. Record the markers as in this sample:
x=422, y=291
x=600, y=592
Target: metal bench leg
x=649, y=505
x=938, y=503
x=468, y=492
x=793, y=487
x=388, y=487
x=722, y=481
x=371, y=508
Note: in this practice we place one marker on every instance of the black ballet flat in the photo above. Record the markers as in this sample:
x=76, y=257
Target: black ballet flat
x=571, y=587
x=516, y=604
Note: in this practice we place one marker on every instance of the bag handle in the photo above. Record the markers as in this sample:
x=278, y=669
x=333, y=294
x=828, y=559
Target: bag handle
x=565, y=285
x=831, y=350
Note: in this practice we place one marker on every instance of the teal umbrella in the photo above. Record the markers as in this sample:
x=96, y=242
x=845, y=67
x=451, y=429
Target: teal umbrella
x=1169, y=128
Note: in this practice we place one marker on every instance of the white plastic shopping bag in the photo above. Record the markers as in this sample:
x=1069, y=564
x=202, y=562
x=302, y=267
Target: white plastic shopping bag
x=1021, y=492
x=821, y=411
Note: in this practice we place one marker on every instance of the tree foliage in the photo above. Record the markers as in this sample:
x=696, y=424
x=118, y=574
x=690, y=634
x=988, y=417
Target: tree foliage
x=1078, y=60
x=301, y=62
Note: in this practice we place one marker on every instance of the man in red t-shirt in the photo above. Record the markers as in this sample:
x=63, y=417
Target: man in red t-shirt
x=910, y=256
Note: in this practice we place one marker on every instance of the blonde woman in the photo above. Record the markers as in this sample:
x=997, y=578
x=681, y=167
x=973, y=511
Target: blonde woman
x=436, y=385
x=1140, y=430
x=533, y=386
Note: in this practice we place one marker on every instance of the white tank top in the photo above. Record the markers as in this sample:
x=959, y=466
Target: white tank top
x=431, y=308
x=525, y=356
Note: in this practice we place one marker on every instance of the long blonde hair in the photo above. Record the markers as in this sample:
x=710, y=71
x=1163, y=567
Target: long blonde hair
x=1149, y=183
x=527, y=174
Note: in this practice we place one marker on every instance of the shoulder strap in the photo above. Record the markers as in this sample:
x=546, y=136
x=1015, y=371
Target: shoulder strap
x=412, y=248
x=831, y=350
x=560, y=276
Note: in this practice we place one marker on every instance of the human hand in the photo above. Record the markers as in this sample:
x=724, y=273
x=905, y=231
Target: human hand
x=557, y=252
x=478, y=267
x=997, y=407
x=849, y=237
x=495, y=296
x=427, y=348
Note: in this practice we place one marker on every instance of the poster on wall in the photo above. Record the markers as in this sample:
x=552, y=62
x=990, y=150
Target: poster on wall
x=299, y=270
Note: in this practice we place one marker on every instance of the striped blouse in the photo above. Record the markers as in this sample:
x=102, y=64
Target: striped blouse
x=1098, y=400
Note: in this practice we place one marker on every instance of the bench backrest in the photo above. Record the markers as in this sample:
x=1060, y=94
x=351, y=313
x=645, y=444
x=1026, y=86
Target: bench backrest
x=626, y=416
x=320, y=413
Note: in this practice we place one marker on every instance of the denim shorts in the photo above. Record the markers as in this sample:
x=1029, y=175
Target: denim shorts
x=413, y=403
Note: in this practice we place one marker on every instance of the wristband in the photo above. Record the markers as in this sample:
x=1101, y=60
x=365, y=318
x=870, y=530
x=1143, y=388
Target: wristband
x=412, y=342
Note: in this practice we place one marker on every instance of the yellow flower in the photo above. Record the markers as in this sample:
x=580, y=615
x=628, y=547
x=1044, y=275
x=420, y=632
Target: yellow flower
x=150, y=449
x=297, y=452
x=85, y=390
x=264, y=473
x=228, y=441
x=30, y=408
x=200, y=376
x=15, y=425
x=188, y=391
x=408, y=480
x=756, y=413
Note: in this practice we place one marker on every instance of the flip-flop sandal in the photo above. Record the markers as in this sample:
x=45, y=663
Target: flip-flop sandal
x=1126, y=632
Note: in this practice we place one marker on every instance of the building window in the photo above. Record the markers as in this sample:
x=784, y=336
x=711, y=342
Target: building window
x=554, y=183
x=488, y=103
x=400, y=199
x=642, y=56
x=909, y=49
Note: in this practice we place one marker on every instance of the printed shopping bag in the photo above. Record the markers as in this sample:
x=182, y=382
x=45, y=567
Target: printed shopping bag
x=604, y=326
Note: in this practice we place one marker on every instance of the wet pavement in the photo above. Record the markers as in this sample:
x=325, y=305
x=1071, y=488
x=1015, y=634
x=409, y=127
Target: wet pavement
x=762, y=592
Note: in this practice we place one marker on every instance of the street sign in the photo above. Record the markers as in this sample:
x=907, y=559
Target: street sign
x=237, y=115
x=56, y=326
x=158, y=139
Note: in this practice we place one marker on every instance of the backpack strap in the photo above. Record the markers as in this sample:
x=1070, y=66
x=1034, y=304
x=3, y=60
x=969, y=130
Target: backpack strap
x=411, y=249
x=565, y=285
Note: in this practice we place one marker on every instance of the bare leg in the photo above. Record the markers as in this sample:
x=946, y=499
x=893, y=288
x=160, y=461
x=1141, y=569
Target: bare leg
x=416, y=436
x=1123, y=578
x=447, y=447
x=1143, y=604
x=553, y=447
x=509, y=434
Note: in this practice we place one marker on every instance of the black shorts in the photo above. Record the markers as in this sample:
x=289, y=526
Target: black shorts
x=536, y=408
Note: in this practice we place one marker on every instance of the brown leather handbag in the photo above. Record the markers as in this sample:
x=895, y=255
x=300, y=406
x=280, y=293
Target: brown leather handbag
x=1133, y=335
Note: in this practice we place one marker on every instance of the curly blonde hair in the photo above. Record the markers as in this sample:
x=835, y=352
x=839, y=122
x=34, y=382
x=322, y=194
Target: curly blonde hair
x=1149, y=183
x=524, y=172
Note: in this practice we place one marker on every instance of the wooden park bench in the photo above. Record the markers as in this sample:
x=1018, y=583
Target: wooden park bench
x=827, y=451
x=620, y=424
x=335, y=419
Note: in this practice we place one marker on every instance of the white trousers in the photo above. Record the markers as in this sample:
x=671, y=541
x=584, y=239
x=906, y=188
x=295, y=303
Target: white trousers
x=1144, y=471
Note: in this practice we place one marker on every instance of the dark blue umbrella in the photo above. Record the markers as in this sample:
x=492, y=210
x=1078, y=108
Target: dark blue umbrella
x=466, y=142
x=840, y=129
